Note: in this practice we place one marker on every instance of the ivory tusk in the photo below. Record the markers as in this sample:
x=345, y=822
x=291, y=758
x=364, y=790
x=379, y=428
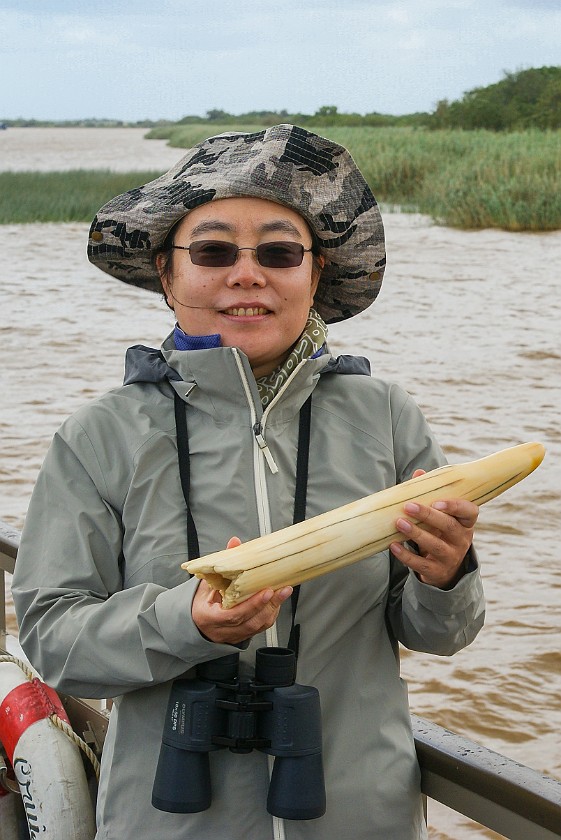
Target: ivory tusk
x=357, y=530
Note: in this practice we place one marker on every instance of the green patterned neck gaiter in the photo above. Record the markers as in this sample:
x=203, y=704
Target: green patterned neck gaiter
x=312, y=339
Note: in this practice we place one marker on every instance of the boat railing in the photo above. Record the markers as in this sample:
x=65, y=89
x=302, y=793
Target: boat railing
x=511, y=799
x=9, y=542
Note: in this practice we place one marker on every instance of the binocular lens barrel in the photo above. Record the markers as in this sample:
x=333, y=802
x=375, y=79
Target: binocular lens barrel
x=219, y=670
x=275, y=666
x=297, y=788
x=293, y=728
x=182, y=782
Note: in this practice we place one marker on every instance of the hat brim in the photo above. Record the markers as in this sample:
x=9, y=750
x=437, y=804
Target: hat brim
x=310, y=174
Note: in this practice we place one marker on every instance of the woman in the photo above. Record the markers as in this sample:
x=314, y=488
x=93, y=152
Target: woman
x=209, y=443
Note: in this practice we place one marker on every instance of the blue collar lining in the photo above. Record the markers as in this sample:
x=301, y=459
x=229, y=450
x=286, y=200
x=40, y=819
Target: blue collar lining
x=183, y=341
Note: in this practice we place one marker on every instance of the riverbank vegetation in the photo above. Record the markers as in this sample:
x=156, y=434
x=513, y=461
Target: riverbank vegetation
x=524, y=99
x=527, y=99
x=491, y=159
x=73, y=196
x=476, y=179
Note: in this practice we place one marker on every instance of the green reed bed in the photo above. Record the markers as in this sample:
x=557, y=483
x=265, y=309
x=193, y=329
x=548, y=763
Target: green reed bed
x=474, y=179
x=464, y=179
x=72, y=196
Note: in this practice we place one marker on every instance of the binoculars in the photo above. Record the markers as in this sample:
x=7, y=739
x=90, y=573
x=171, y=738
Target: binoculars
x=219, y=710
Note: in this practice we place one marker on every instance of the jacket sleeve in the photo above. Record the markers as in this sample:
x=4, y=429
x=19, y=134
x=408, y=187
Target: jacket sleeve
x=420, y=616
x=81, y=630
x=434, y=620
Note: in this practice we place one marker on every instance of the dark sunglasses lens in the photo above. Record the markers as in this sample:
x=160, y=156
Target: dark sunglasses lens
x=217, y=254
x=213, y=254
x=280, y=254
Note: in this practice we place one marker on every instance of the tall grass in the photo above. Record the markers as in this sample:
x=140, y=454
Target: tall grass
x=465, y=179
x=72, y=196
x=514, y=184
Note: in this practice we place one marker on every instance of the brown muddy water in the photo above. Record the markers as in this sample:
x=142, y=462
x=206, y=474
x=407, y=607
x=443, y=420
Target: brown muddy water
x=468, y=322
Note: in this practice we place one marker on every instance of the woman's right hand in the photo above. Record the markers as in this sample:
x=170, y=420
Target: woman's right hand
x=240, y=622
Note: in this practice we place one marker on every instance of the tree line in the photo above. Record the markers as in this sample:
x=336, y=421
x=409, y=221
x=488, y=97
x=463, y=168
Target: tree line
x=521, y=100
x=526, y=99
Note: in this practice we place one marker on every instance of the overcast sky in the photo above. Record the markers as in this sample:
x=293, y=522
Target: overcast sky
x=66, y=59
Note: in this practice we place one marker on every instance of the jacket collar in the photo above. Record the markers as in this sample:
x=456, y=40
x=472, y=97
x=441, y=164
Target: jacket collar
x=218, y=379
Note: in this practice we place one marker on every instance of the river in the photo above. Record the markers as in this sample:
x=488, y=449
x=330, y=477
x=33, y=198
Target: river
x=468, y=322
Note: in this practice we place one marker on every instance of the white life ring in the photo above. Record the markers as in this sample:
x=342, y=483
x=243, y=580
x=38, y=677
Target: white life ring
x=47, y=764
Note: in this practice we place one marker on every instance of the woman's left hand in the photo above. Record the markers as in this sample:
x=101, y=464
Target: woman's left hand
x=442, y=542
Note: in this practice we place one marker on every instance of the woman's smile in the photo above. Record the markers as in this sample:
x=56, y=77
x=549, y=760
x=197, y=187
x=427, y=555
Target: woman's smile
x=246, y=311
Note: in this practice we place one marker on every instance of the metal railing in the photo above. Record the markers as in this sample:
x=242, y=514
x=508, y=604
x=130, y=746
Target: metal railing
x=9, y=542
x=515, y=801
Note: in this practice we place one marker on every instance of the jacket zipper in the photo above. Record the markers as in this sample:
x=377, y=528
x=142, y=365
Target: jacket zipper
x=263, y=453
x=262, y=444
x=259, y=478
x=258, y=427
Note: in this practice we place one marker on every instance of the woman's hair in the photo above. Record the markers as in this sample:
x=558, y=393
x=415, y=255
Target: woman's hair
x=165, y=250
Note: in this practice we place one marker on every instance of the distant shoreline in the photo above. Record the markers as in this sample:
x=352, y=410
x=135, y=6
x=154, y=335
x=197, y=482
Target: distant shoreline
x=468, y=180
x=24, y=123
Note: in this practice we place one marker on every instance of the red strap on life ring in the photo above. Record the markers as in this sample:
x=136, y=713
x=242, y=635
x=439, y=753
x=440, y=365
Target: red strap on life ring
x=29, y=702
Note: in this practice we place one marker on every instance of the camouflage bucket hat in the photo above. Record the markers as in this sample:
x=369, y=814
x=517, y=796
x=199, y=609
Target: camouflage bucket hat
x=310, y=174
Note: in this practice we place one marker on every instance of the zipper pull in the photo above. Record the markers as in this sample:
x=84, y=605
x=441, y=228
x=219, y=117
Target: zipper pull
x=262, y=444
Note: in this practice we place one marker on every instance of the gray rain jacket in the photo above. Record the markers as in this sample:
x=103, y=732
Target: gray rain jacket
x=104, y=606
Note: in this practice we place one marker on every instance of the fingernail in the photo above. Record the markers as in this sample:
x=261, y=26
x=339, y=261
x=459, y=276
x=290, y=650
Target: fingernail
x=412, y=508
x=267, y=595
x=440, y=505
x=404, y=525
x=285, y=592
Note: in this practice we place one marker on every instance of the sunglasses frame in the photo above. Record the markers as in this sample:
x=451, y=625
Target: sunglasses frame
x=234, y=251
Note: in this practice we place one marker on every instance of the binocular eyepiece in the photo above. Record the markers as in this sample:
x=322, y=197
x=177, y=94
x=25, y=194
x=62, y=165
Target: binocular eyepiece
x=218, y=710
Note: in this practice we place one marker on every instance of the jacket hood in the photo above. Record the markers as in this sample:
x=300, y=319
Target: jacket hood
x=147, y=364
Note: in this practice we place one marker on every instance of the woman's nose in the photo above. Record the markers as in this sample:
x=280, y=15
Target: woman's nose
x=246, y=271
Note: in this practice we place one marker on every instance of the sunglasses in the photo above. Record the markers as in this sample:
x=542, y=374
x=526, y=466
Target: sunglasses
x=213, y=253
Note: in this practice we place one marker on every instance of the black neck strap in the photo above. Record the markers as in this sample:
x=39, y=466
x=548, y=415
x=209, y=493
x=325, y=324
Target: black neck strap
x=193, y=550
x=300, y=495
x=300, y=499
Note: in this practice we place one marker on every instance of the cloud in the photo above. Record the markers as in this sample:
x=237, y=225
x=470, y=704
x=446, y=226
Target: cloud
x=167, y=61
x=24, y=31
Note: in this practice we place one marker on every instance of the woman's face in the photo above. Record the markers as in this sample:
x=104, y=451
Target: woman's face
x=262, y=311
